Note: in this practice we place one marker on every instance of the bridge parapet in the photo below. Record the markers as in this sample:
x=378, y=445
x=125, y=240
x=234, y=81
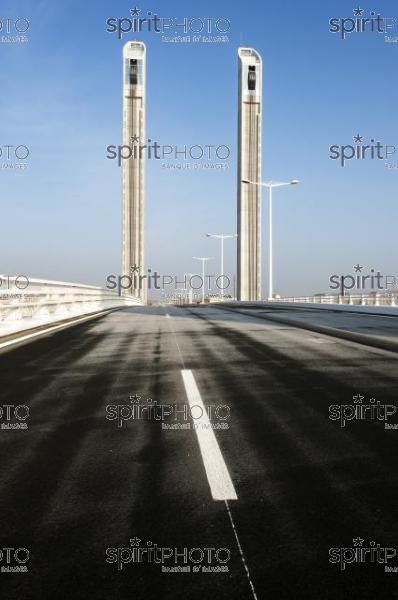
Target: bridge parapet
x=30, y=303
x=375, y=299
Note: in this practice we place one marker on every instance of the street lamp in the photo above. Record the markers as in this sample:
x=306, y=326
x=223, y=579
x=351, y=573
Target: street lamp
x=222, y=237
x=203, y=259
x=270, y=185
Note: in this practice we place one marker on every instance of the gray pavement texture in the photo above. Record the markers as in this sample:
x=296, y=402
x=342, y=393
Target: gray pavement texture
x=74, y=484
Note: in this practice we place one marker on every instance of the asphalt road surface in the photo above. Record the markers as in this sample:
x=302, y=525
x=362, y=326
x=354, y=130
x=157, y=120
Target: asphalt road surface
x=117, y=496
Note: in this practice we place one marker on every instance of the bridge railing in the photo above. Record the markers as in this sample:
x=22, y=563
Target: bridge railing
x=28, y=303
x=352, y=299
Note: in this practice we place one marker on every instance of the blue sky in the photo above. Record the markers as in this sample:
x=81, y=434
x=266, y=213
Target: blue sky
x=61, y=96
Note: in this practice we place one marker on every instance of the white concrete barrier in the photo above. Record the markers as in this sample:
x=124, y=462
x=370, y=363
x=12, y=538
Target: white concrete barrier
x=375, y=309
x=29, y=303
x=375, y=299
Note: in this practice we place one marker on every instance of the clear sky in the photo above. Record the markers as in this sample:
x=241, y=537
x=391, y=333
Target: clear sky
x=61, y=96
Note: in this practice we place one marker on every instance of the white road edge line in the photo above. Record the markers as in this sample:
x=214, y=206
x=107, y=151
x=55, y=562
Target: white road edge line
x=220, y=482
x=43, y=331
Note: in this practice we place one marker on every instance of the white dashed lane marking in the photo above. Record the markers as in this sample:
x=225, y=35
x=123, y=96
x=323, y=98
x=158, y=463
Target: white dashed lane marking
x=220, y=482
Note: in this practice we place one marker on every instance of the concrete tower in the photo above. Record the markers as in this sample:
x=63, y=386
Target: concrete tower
x=249, y=168
x=134, y=104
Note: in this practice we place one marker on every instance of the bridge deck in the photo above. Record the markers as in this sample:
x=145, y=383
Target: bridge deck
x=77, y=484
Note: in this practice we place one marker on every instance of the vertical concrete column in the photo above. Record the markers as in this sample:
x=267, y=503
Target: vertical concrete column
x=134, y=135
x=249, y=168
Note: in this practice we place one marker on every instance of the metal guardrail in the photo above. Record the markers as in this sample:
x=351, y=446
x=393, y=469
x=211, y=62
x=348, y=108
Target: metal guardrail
x=27, y=303
x=352, y=299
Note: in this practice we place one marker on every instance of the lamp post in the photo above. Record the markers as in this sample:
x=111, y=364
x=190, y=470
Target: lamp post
x=222, y=237
x=270, y=185
x=203, y=259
